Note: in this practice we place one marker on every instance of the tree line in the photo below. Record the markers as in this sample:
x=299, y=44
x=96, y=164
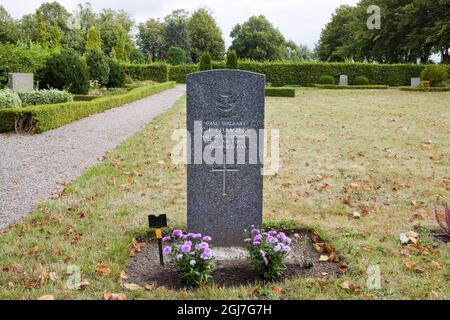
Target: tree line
x=410, y=32
x=180, y=37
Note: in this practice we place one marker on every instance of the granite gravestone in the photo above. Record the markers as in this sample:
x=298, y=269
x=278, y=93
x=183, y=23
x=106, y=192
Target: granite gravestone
x=21, y=81
x=343, y=80
x=225, y=194
x=415, y=82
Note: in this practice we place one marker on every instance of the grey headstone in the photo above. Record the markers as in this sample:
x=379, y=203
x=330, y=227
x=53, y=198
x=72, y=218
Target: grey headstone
x=448, y=81
x=415, y=82
x=20, y=81
x=343, y=80
x=224, y=198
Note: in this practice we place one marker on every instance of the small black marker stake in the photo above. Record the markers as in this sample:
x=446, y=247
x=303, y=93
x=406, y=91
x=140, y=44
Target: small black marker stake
x=158, y=222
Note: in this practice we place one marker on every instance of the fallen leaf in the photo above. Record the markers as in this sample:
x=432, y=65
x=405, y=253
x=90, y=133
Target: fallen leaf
x=343, y=268
x=10, y=285
x=436, y=265
x=408, y=264
x=149, y=286
x=405, y=252
x=328, y=248
x=123, y=275
x=103, y=270
x=322, y=282
x=356, y=215
x=84, y=283
x=47, y=297
x=323, y=258
x=53, y=276
x=418, y=270
x=114, y=296
x=131, y=286
x=277, y=291
x=318, y=247
x=355, y=287
x=345, y=285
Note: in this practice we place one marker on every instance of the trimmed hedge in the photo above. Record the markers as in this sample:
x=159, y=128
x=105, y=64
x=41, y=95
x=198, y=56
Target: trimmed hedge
x=155, y=71
x=178, y=73
x=48, y=117
x=81, y=97
x=335, y=86
x=426, y=89
x=280, y=92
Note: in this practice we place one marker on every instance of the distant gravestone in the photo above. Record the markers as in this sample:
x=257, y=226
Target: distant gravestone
x=448, y=81
x=21, y=81
x=225, y=113
x=415, y=82
x=343, y=80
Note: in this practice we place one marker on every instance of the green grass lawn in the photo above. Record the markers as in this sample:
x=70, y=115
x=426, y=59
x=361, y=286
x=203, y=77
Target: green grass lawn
x=382, y=153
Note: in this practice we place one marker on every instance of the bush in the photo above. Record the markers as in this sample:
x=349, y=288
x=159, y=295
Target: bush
x=424, y=84
x=9, y=99
x=267, y=252
x=98, y=66
x=136, y=56
x=232, y=60
x=427, y=89
x=116, y=74
x=351, y=87
x=66, y=71
x=176, y=56
x=40, y=97
x=18, y=59
x=361, y=81
x=437, y=75
x=191, y=255
x=179, y=73
x=155, y=71
x=280, y=92
x=205, y=62
x=326, y=79
x=52, y=116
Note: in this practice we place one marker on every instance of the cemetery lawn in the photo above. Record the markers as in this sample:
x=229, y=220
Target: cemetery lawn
x=383, y=154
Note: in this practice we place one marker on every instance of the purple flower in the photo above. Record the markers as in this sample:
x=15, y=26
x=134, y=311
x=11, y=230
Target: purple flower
x=281, y=235
x=207, y=254
x=186, y=248
x=196, y=236
x=192, y=263
x=286, y=249
x=165, y=239
x=256, y=243
x=247, y=240
x=167, y=250
x=255, y=231
x=287, y=240
x=202, y=246
x=207, y=238
x=272, y=233
x=257, y=238
x=179, y=256
x=266, y=262
x=177, y=233
x=277, y=248
x=272, y=240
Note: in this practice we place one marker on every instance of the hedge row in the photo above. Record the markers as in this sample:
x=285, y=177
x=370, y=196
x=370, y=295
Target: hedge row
x=426, y=89
x=155, y=71
x=280, y=92
x=308, y=73
x=46, y=117
x=335, y=86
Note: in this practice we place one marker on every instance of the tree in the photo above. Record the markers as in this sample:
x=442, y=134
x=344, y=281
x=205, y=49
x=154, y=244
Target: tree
x=98, y=65
x=120, y=17
x=232, y=60
x=42, y=30
x=114, y=36
x=176, y=56
x=150, y=38
x=55, y=37
x=136, y=56
x=53, y=12
x=294, y=52
x=9, y=28
x=120, y=50
x=205, y=62
x=205, y=35
x=175, y=32
x=93, y=40
x=257, y=39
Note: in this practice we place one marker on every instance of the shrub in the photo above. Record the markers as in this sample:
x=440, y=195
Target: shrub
x=267, y=251
x=191, y=255
x=9, y=99
x=232, y=60
x=155, y=71
x=437, y=75
x=178, y=73
x=361, y=81
x=117, y=74
x=39, y=97
x=20, y=59
x=426, y=89
x=52, y=116
x=136, y=56
x=98, y=66
x=280, y=92
x=424, y=84
x=205, y=62
x=351, y=87
x=66, y=71
x=326, y=79
x=176, y=55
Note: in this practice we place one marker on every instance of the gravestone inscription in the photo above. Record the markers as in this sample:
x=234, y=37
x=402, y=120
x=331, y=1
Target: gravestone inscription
x=225, y=121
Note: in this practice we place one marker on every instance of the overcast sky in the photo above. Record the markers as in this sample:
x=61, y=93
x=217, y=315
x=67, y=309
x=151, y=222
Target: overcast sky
x=298, y=20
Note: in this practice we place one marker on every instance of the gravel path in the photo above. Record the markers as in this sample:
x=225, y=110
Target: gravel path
x=34, y=166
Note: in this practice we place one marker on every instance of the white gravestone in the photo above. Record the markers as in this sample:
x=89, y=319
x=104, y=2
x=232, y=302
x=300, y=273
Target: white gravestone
x=415, y=82
x=21, y=81
x=343, y=80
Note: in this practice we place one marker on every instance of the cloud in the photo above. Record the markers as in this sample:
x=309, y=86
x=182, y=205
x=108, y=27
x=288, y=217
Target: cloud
x=299, y=20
